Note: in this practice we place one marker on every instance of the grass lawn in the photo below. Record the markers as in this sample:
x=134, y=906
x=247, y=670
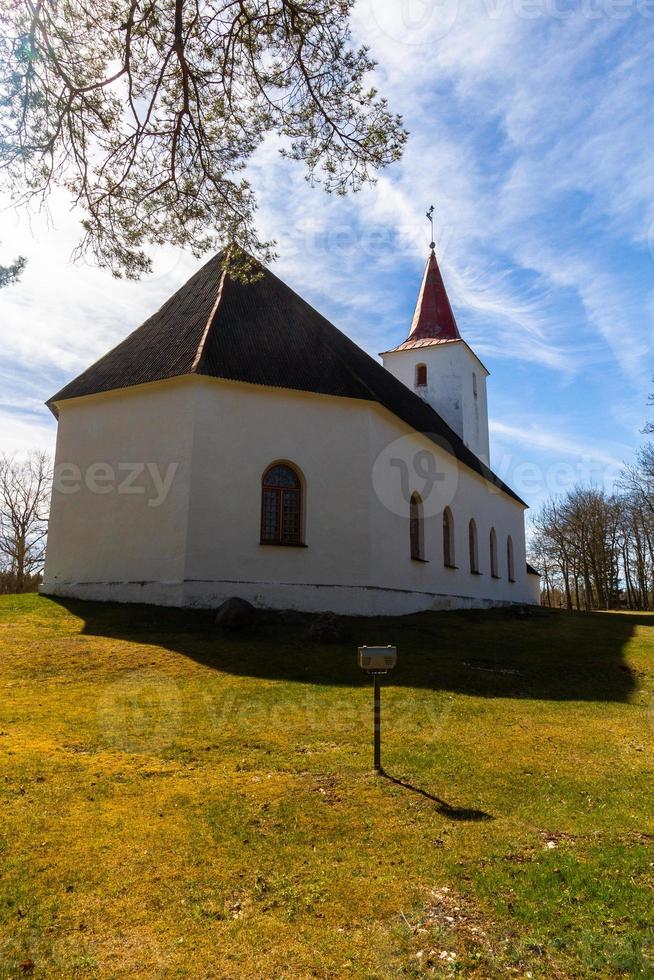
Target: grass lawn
x=177, y=802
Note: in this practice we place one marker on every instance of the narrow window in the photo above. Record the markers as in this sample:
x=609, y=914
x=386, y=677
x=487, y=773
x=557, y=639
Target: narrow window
x=421, y=375
x=448, y=538
x=509, y=558
x=415, y=528
x=472, y=542
x=474, y=384
x=493, y=553
x=281, y=506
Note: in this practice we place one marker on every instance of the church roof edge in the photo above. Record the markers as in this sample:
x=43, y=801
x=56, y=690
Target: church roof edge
x=260, y=332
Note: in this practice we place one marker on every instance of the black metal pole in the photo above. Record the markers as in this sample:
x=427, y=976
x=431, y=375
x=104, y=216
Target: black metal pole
x=377, y=694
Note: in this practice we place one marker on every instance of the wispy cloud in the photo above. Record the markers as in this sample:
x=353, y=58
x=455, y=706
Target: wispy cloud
x=532, y=134
x=538, y=435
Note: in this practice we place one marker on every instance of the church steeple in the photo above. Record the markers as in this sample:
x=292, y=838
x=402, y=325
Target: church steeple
x=433, y=318
x=438, y=365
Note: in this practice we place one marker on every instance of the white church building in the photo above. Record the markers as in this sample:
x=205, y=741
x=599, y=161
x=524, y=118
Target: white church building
x=238, y=444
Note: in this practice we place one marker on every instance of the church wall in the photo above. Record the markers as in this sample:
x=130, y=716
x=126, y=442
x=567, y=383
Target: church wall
x=357, y=557
x=450, y=369
x=106, y=536
x=240, y=430
x=202, y=544
x=467, y=495
x=533, y=586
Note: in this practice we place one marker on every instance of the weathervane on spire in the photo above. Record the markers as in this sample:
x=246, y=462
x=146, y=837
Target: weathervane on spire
x=430, y=219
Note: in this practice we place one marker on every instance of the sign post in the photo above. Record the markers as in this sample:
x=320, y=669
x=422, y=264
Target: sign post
x=377, y=723
x=377, y=661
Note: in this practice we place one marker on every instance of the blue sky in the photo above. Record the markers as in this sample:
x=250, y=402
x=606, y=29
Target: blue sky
x=532, y=131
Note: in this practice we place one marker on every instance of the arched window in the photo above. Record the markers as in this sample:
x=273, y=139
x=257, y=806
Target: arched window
x=472, y=544
x=281, y=506
x=509, y=559
x=474, y=384
x=421, y=375
x=493, y=554
x=415, y=528
x=448, y=538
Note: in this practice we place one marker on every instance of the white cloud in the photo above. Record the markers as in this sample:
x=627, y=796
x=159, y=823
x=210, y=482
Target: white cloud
x=21, y=433
x=533, y=138
x=537, y=435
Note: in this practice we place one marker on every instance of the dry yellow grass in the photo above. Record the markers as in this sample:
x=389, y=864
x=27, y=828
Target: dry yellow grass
x=177, y=802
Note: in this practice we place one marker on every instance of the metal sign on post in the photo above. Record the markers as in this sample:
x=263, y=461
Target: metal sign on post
x=377, y=661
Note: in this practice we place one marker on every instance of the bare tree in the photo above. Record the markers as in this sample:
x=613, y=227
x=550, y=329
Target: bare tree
x=638, y=478
x=637, y=552
x=553, y=531
x=637, y=484
x=593, y=518
x=649, y=426
x=541, y=557
x=581, y=544
x=24, y=495
x=148, y=112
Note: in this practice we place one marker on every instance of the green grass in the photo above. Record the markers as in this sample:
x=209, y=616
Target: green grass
x=177, y=802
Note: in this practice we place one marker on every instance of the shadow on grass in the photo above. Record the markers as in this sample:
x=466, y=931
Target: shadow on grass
x=538, y=653
x=444, y=808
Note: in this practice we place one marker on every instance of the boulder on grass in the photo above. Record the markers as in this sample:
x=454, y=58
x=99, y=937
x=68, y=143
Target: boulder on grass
x=280, y=617
x=291, y=617
x=327, y=628
x=235, y=613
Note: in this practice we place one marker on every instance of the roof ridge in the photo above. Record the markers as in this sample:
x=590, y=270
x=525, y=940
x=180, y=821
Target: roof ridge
x=341, y=359
x=262, y=332
x=214, y=309
x=484, y=469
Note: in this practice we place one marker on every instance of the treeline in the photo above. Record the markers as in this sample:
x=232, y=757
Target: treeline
x=24, y=499
x=10, y=584
x=595, y=549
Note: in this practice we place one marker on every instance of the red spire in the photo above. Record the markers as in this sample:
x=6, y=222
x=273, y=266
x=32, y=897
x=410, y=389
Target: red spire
x=433, y=318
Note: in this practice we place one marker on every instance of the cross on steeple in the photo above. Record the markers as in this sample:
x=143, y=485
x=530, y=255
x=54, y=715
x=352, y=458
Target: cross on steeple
x=430, y=219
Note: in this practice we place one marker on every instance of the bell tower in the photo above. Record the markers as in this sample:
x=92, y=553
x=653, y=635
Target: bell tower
x=437, y=363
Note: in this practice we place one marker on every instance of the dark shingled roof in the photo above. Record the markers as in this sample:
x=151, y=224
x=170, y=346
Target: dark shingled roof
x=263, y=333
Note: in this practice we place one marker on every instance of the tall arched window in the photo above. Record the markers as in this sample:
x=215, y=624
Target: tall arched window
x=281, y=506
x=421, y=375
x=448, y=538
x=509, y=559
x=493, y=554
x=474, y=384
x=472, y=544
x=415, y=528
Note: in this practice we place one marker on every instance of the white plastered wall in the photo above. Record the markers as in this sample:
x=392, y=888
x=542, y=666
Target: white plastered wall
x=114, y=543
x=357, y=555
x=468, y=496
x=202, y=545
x=449, y=391
x=240, y=430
